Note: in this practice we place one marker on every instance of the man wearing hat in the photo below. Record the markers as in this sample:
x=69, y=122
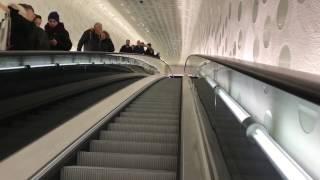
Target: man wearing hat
x=59, y=39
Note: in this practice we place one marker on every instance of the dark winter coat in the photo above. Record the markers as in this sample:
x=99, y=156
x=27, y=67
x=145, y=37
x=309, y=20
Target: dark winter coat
x=40, y=39
x=149, y=52
x=107, y=45
x=21, y=30
x=60, y=34
x=138, y=49
x=126, y=49
x=90, y=40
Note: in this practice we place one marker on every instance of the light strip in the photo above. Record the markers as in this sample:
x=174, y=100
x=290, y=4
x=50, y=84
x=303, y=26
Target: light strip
x=12, y=68
x=212, y=83
x=287, y=166
x=236, y=109
x=46, y=65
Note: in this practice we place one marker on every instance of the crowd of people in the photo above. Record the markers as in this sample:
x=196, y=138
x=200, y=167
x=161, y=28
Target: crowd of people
x=139, y=48
x=26, y=34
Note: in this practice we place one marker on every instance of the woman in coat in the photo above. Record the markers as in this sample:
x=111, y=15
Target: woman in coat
x=59, y=39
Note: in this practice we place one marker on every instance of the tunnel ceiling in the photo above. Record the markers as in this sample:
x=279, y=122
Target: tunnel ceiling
x=157, y=21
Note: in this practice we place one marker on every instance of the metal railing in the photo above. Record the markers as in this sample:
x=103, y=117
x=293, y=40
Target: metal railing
x=32, y=59
x=290, y=81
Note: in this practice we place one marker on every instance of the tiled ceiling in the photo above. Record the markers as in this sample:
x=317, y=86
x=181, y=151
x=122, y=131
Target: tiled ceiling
x=158, y=21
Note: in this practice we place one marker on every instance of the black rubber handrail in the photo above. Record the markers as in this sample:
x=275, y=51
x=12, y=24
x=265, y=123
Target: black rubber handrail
x=61, y=53
x=301, y=84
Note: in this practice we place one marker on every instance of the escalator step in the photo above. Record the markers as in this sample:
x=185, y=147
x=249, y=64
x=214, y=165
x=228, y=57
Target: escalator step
x=98, y=173
x=135, y=161
x=133, y=147
x=159, y=115
x=128, y=120
x=139, y=136
x=142, y=128
x=154, y=110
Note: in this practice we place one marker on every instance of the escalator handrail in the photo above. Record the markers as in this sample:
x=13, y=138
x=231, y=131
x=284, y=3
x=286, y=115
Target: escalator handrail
x=151, y=61
x=302, y=84
x=92, y=53
x=165, y=62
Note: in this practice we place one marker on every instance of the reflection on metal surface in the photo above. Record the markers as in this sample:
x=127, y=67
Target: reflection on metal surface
x=308, y=118
x=287, y=166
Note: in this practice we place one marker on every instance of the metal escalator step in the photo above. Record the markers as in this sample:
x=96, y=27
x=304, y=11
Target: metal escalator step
x=157, y=111
x=153, y=110
x=139, y=114
x=150, y=118
x=127, y=120
x=150, y=106
x=139, y=136
x=99, y=173
x=142, y=128
x=135, y=161
x=133, y=147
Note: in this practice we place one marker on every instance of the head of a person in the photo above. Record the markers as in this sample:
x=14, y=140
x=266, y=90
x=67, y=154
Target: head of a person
x=53, y=19
x=138, y=43
x=105, y=35
x=128, y=42
x=149, y=45
x=37, y=20
x=29, y=11
x=142, y=44
x=97, y=28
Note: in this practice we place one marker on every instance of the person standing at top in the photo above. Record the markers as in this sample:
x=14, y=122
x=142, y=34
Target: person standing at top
x=139, y=48
x=59, y=38
x=22, y=26
x=106, y=43
x=39, y=36
x=37, y=20
x=149, y=51
x=90, y=39
x=126, y=48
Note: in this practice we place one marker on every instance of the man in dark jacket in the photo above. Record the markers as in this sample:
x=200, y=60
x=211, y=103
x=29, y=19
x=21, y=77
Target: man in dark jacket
x=126, y=48
x=139, y=48
x=149, y=51
x=106, y=43
x=90, y=39
x=39, y=36
x=59, y=39
x=22, y=26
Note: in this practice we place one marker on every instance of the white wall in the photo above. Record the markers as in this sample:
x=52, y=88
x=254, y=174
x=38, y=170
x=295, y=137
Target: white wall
x=277, y=32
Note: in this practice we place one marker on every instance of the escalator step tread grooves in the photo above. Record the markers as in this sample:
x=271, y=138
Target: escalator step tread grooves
x=244, y=159
x=140, y=144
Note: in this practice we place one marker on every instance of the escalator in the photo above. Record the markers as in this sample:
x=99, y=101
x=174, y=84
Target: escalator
x=141, y=143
